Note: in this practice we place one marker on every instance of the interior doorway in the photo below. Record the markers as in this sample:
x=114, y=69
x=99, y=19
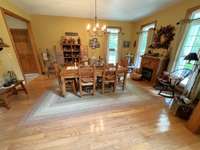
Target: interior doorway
x=22, y=40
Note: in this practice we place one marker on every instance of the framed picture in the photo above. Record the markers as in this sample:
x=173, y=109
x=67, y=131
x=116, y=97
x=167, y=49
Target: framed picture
x=94, y=43
x=126, y=44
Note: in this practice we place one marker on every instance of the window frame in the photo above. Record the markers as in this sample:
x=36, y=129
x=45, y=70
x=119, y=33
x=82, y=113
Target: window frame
x=107, y=49
x=149, y=23
x=190, y=11
x=138, y=38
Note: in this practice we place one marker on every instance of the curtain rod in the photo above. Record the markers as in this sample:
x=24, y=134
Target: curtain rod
x=144, y=31
x=186, y=21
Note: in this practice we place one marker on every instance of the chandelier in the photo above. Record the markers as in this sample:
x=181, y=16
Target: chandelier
x=95, y=29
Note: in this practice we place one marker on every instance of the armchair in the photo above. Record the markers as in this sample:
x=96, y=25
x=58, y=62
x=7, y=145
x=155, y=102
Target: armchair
x=169, y=81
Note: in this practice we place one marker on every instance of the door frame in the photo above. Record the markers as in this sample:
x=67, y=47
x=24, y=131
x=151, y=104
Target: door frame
x=30, y=34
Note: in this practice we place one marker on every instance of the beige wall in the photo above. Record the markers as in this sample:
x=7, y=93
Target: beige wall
x=170, y=15
x=49, y=29
x=8, y=59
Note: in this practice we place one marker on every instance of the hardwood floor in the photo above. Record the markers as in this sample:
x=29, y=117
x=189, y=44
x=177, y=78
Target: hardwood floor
x=142, y=127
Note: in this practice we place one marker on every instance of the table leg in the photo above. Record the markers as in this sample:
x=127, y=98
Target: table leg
x=124, y=81
x=23, y=87
x=5, y=101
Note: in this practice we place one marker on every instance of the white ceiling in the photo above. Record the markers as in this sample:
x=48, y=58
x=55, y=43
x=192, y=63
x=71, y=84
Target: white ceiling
x=106, y=9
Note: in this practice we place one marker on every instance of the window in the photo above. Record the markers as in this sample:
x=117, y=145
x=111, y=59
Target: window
x=113, y=40
x=191, y=43
x=142, y=43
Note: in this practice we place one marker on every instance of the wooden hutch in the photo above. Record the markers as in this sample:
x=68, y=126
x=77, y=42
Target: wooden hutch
x=71, y=53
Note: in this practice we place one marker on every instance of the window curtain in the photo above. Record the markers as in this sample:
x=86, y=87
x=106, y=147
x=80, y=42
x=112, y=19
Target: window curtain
x=141, y=47
x=196, y=88
x=180, y=36
x=150, y=36
x=106, y=48
x=192, y=42
x=194, y=85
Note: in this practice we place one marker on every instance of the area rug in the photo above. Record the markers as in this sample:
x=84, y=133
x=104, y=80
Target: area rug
x=51, y=105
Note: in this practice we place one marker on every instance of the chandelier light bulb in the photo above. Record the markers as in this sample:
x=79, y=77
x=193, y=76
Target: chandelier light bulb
x=94, y=29
x=88, y=27
x=103, y=28
x=97, y=25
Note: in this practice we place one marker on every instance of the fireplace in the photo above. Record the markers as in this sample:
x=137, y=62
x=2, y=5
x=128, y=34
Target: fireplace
x=147, y=73
x=152, y=67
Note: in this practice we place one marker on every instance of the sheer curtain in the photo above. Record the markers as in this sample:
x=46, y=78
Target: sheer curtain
x=143, y=43
x=190, y=43
x=141, y=48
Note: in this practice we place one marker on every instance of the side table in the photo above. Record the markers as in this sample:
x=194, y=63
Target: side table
x=5, y=92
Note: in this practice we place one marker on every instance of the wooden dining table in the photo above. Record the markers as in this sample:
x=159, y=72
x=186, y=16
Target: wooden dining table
x=71, y=72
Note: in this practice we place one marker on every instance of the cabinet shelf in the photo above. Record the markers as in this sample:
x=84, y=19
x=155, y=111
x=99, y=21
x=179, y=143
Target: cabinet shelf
x=71, y=53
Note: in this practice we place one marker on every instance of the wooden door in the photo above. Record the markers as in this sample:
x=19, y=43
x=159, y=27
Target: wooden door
x=24, y=49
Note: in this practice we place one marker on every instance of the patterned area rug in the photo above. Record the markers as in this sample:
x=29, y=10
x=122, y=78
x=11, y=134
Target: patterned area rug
x=52, y=105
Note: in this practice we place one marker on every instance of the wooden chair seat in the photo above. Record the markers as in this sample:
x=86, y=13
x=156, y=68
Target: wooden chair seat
x=87, y=84
x=87, y=80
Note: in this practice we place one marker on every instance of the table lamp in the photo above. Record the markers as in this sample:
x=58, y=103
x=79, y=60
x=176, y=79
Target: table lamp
x=191, y=57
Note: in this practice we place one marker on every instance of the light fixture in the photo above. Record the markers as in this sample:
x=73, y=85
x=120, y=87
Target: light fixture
x=95, y=29
x=2, y=44
x=191, y=57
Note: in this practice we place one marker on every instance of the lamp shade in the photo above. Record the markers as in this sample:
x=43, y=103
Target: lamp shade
x=191, y=57
x=2, y=44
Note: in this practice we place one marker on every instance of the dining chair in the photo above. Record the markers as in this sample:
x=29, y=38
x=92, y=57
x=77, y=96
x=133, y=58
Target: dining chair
x=87, y=79
x=68, y=83
x=168, y=82
x=57, y=69
x=122, y=75
x=109, y=76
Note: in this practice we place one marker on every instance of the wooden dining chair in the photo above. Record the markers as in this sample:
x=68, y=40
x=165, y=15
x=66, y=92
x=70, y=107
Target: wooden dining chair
x=68, y=83
x=109, y=76
x=57, y=69
x=87, y=78
x=122, y=75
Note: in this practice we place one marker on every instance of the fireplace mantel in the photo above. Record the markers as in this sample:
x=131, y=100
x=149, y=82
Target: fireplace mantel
x=156, y=64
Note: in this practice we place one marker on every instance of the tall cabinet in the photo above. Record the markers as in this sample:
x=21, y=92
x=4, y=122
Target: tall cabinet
x=71, y=53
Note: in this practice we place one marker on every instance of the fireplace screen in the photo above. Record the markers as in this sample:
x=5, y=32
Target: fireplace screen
x=147, y=74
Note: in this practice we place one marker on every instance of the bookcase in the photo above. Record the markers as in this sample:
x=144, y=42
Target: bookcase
x=71, y=53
